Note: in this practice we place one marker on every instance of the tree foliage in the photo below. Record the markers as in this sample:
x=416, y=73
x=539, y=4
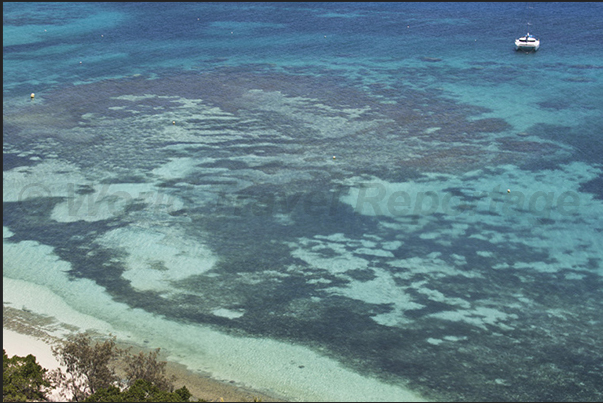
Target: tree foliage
x=146, y=367
x=23, y=379
x=89, y=367
x=91, y=373
x=140, y=391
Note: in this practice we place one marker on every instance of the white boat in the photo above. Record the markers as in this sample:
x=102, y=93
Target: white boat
x=527, y=43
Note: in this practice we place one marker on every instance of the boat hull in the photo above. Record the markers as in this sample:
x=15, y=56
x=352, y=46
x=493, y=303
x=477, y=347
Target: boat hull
x=527, y=47
x=527, y=43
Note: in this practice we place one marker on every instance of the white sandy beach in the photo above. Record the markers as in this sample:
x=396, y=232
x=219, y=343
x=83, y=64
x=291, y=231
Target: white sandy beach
x=20, y=344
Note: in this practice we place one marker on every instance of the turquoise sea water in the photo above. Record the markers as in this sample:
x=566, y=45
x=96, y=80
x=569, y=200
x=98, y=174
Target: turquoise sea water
x=340, y=201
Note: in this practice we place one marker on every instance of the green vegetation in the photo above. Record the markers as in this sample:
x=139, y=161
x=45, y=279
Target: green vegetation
x=23, y=379
x=88, y=367
x=91, y=375
x=139, y=391
x=147, y=367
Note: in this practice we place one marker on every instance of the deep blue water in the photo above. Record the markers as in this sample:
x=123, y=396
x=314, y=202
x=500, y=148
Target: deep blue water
x=324, y=201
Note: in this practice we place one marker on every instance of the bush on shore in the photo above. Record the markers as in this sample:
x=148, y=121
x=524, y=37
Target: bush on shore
x=139, y=391
x=23, y=379
x=91, y=375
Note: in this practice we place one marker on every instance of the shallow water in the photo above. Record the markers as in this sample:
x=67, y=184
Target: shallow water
x=324, y=202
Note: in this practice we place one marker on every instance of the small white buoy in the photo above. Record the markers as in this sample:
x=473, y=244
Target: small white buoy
x=102, y=36
x=508, y=190
x=333, y=157
x=32, y=95
x=408, y=26
x=80, y=62
x=325, y=36
x=173, y=122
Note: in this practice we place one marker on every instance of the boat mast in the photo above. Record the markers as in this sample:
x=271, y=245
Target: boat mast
x=529, y=17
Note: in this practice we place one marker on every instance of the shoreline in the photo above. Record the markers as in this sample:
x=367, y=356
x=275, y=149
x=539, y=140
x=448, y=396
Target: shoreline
x=21, y=338
x=35, y=319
